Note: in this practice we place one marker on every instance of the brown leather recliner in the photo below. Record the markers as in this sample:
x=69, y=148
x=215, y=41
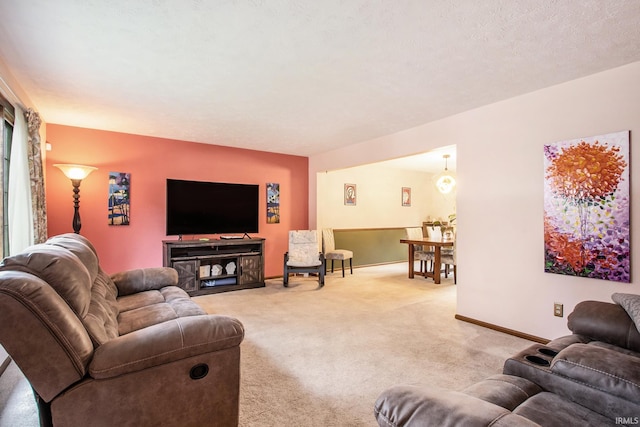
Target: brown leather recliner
x=130, y=349
x=588, y=378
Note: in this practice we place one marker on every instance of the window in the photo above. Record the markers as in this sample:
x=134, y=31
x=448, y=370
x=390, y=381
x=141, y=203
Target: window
x=7, y=119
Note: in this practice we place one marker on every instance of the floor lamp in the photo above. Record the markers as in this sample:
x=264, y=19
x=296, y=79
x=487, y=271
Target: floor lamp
x=76, y=173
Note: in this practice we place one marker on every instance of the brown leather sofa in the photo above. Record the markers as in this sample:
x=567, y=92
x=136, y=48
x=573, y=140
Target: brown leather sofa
x=128, y=350
x=589, y=378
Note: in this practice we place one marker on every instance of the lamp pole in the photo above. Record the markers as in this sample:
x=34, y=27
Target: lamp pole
x=76, y=205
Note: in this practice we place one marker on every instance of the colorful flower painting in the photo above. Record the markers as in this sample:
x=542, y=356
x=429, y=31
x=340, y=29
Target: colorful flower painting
x=586, y=207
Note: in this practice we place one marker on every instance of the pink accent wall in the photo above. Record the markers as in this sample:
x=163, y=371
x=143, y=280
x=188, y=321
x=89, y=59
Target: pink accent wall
x=150, y=161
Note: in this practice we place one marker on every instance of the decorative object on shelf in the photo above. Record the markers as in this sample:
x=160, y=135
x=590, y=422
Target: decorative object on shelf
x=406, y=196
x=273, y=203
x=216, y=270
x=445, y=181
x=76, y=173
x=587, y=207
x=350, y=194
x=205, y=270
x=230, y=268
x=119, y=198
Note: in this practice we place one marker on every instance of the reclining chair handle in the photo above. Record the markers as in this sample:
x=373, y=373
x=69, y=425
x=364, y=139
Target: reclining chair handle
x=199, y=371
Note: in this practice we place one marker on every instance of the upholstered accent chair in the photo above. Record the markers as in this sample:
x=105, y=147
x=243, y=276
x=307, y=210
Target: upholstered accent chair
x=425, y=255
x=303, y=256
x=126, y=349
x=331, y=253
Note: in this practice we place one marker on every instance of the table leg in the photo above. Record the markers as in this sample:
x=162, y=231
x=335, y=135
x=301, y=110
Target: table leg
x=411, y=262
x=437, y=264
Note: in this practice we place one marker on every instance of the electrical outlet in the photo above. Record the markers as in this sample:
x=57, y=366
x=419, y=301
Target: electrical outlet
x=557, y=309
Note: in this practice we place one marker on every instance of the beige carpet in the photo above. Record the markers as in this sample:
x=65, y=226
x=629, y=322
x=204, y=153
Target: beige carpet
x=321, y=357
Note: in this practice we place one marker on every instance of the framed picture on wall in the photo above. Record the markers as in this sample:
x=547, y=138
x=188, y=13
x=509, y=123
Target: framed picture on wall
x=119, y=198
x=587, y=207
x=406, y=196
x=350, y=194
x=273, y=203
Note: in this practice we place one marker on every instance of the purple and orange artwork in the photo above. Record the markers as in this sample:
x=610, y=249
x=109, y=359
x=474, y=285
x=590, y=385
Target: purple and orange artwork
x=587, y=207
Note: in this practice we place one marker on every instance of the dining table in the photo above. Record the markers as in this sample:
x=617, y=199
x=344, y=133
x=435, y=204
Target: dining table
x=437, y=244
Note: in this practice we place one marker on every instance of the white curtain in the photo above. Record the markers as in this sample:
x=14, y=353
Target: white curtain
x=20, y=209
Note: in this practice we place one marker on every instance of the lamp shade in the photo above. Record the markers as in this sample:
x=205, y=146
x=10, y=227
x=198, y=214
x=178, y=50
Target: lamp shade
x=75, y=171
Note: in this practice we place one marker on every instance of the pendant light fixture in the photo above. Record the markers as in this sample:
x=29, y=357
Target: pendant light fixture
x=445, y=181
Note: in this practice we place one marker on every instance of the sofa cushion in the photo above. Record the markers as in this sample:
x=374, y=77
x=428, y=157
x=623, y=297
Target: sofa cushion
x=610, y=371
x=101, y=320
x=550, y=410
x=606, y=322
x=81, y=248
x=148, y=308
x=60, y=268
x=406, y=405
x=144, y=279
x=507, y=391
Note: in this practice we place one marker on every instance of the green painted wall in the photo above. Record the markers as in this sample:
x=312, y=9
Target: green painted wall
x=373, y=246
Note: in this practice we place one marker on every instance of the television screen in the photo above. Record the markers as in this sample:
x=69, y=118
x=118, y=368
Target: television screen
x=197, y=207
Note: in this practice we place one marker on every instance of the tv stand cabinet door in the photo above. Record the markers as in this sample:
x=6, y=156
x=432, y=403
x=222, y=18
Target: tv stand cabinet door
x=252, y=271
x=187, y=275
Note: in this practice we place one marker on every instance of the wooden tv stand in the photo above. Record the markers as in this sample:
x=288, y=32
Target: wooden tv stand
x=213, y=266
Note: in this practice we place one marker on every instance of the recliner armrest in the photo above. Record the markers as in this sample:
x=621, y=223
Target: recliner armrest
x=165, y=342
x=406, y=405
x=144, y=279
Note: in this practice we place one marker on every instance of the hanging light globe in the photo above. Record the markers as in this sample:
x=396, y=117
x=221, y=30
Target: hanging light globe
x=445, y=181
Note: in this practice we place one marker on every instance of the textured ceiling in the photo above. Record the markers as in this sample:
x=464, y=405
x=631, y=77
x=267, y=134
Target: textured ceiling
x=299, y=77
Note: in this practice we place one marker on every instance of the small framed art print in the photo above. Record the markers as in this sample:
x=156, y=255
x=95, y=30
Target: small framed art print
x=406, y=196
x=350, y=194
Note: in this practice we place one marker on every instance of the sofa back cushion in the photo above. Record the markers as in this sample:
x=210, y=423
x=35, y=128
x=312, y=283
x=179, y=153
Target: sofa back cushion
x=102, y=314
x=80, y=247
x=101, y=320
x=69, y=264
x=606, y=322
x=60, y=268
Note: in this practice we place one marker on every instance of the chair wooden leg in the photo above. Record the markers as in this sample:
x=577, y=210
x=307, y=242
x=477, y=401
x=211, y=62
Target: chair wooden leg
x=342, y=268
x=455, y=270
x=351, y=265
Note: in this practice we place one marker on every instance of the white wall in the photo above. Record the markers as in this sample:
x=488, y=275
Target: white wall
x=501, y=277
x=379, y=198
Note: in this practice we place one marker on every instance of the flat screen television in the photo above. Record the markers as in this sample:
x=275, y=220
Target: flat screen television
x=199, y=207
